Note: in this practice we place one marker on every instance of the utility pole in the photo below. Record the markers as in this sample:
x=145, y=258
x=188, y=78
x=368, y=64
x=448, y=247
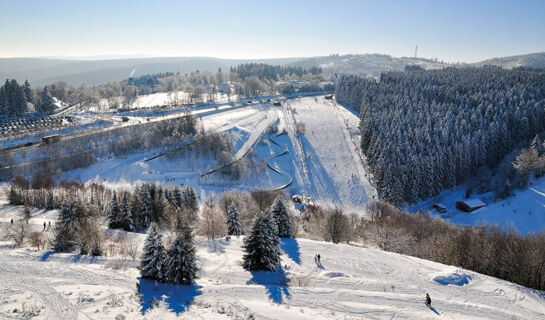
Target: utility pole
x=415, y=51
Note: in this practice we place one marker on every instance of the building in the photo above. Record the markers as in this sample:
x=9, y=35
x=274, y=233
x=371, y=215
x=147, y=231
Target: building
x=469, y=205
x=439, y=207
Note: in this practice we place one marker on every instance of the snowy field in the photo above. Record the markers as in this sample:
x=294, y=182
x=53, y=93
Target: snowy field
x=525, y=211
x=351, y=283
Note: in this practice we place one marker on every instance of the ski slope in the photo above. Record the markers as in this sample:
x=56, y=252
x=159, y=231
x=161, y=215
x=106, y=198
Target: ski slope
x=324, y=162
x=351, y=283
x=329, y=152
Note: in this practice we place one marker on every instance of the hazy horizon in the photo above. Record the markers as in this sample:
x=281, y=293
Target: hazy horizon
x=453, y=31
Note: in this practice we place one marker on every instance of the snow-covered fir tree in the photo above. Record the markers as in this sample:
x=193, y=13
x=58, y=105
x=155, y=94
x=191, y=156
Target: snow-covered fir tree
x=152, y=263
x=190, y=198
x=262, y=245
x=47, y=103
x=234, y=227
x=181, y=257
x=64, y=231
x=177, y=198
x=281, y=218
x=423, y=131
x=113, y=213
x=147, y=206
x=125, y=218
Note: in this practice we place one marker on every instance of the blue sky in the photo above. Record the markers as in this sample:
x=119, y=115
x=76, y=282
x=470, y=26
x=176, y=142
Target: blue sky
x=453, y=31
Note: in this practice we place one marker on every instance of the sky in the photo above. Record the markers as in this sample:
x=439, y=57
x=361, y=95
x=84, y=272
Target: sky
x=453, y=31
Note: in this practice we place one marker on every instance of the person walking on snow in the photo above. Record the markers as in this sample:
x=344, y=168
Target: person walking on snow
x=428, y=300
x=44, y=226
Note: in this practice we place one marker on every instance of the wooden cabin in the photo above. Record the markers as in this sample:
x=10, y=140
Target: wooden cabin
x=439, y=207
x=469, y=205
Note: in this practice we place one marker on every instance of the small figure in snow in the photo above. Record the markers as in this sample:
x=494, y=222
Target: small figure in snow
x=11, y=221
x=49, y=224
x=428, y=300
x=317, y=259
x=44, y=226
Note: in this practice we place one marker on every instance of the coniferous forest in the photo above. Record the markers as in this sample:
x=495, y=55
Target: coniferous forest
x=427, y=130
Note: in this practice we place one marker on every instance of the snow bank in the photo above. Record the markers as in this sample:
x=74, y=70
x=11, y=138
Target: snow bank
x=452, y=277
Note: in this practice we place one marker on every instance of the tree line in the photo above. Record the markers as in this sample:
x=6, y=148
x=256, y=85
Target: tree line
x=269, y=72
x=264, y=217
x=423, y=131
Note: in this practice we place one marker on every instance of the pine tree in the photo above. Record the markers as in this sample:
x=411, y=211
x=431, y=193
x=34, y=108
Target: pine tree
x=47, y=103
x=64, y=232
x=281, y=218
x=158, y=204
x=182, y=263
x=14, y=197
x=113, y=213
x=190, y=198
x=152, y=264
x=28, y=92
x=234, y=227
x=262, y=245
x=147, y=206
x=125, y=222
x=535, y=143
x=177, y=197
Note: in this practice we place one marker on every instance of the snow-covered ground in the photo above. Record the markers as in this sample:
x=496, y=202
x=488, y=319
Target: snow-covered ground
x=525, y=210
x=351, y=283
x=163, y=98
x=331, y=152
x=323, y=163
x=133, y=169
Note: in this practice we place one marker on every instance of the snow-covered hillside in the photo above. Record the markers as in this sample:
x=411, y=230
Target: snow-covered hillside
x=324, y=162
x=330, y=151
x=524, y=211
x=351, y=283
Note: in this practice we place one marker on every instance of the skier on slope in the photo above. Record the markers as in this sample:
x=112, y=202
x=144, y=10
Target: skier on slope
x=428, y=300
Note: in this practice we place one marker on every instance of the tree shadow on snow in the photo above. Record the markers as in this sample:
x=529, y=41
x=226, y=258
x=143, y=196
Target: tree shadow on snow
x=291, y=248
x=177, y=298
x=46, y=255
x=433, y=309
x=276, y=284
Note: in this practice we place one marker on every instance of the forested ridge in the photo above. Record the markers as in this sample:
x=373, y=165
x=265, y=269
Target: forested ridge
x=427, y=130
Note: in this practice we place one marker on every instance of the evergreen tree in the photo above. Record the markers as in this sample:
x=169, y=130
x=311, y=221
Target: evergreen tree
x=14, y=197
x=125, y=222
x=262, y=245
x=47, y=103
x=152, y=264
x=177, y=197
x=64, y=231
x=12, y=99
x=189, y=198
x=113, y=213
x=147, y=206
x=281, y=218
x=28, y=92
x=158, y=204
x=234, y=227
x=182, y=263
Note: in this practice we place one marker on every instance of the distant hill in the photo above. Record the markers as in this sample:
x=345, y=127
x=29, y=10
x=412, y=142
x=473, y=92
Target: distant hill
x=40, y=71
x=372, y=64
x=534, y=60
